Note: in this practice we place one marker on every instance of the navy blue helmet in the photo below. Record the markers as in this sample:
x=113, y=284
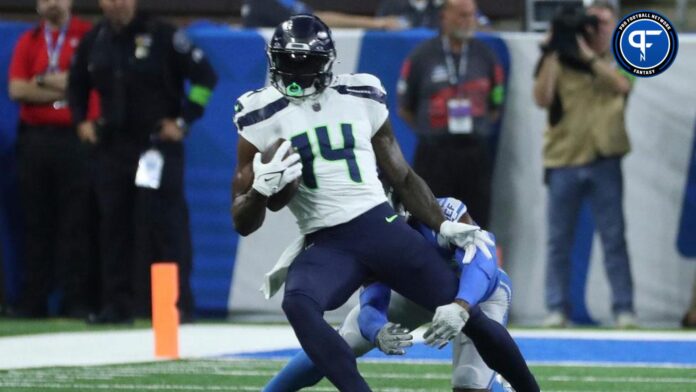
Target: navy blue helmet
x=300, y=56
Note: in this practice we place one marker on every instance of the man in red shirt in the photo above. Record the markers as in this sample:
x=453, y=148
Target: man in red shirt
x=53, y=169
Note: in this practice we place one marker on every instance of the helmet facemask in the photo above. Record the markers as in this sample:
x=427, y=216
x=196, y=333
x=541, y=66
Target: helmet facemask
x=298, y=73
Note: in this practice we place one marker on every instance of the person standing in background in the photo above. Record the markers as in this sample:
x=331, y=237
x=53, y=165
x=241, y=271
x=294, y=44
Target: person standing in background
x=420, y=13
x=450, y=92
x=270, y=13
x=139, y=66
x=413, y=13
x=586, y=94
x=53, y=172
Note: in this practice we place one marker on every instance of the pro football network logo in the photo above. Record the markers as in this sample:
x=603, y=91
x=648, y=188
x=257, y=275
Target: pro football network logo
x=645, y=43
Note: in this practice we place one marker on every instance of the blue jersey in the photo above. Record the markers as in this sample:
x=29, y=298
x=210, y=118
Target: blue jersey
x=453, y=210
x=479, y=278
x=477, y=281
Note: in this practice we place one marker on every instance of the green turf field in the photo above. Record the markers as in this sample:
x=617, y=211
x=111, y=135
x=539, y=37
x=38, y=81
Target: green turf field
x=15, y=327
x=250, y=375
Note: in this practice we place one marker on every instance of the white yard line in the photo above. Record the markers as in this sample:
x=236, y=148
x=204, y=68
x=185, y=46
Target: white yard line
x=661, y=365
x=605, y=334
x=638, y=380
x=206, y=341
x=110, y=347
x=89, y=378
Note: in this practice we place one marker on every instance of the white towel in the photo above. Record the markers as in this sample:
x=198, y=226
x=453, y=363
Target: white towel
x=274, y=279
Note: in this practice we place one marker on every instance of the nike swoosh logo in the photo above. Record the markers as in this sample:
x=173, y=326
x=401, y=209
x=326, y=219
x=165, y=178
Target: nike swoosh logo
x=272, y=176
x=392, y=218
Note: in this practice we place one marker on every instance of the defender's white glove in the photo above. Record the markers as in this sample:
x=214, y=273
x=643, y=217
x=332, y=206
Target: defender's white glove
x=447, y=323
x=271, y=177
x=480, y=242
x=392, y=339
x=465, y=236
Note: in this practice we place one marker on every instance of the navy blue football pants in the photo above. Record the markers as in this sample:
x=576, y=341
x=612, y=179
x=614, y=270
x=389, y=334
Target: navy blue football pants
x=337, y=260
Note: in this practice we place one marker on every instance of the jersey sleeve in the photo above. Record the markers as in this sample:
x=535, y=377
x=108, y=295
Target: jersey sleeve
x=478, y=278
x=452, y=208
x=408, y=85
x=367, y=86
x=79, y=84
x=374, y=303
x=497, y=80
x=254, y=116
x=20, y=65
x=192, y=65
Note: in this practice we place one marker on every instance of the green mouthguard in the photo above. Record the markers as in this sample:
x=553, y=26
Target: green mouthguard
x=294, y=90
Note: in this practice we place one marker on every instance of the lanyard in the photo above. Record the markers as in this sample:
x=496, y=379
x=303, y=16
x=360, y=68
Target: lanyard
x=455, y=75
x=53, y=48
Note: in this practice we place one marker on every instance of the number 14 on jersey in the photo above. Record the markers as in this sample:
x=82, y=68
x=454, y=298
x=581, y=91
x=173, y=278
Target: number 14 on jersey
x=347, y=153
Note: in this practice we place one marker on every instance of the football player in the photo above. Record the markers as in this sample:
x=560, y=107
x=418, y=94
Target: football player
x=371, y=324
x=340, y=128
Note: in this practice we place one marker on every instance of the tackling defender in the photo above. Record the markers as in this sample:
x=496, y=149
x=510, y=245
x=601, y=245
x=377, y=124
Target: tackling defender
x=367, y=325
x=351, y=232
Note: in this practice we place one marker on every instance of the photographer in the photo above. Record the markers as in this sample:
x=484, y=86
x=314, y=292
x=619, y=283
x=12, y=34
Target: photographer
x=585, y=93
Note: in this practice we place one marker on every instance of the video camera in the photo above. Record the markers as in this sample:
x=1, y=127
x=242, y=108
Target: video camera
x=568, y=23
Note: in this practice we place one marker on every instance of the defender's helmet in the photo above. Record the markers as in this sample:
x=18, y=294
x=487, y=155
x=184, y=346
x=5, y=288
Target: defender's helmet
x=300, y=56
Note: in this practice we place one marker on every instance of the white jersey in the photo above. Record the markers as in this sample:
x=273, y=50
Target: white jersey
x=332, y=132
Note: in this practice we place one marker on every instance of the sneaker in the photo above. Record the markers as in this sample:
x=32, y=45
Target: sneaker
x=555, y=319
x=626, y=320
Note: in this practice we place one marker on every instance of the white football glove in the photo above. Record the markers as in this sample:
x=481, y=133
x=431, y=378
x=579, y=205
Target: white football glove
x=392, y=339
x=447, y=323
x=480, y=242
x=464, y=236
x=271, y=177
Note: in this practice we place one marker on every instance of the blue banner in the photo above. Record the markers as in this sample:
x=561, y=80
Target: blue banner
x=686, y=240
x=10, y=208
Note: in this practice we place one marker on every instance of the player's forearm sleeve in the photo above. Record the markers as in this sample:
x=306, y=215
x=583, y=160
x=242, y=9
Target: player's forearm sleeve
x=475, y=279
x=473, y=284
x=374, y=302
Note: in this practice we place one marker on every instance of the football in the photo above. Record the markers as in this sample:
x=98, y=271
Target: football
x=283, y=197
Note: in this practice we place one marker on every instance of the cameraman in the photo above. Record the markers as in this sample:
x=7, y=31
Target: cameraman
x=585, y=93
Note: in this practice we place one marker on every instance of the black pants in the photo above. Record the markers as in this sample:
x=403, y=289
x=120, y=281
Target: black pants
x=54, y=186
x=140, y=226
x=340, y=259
x=460, y=168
